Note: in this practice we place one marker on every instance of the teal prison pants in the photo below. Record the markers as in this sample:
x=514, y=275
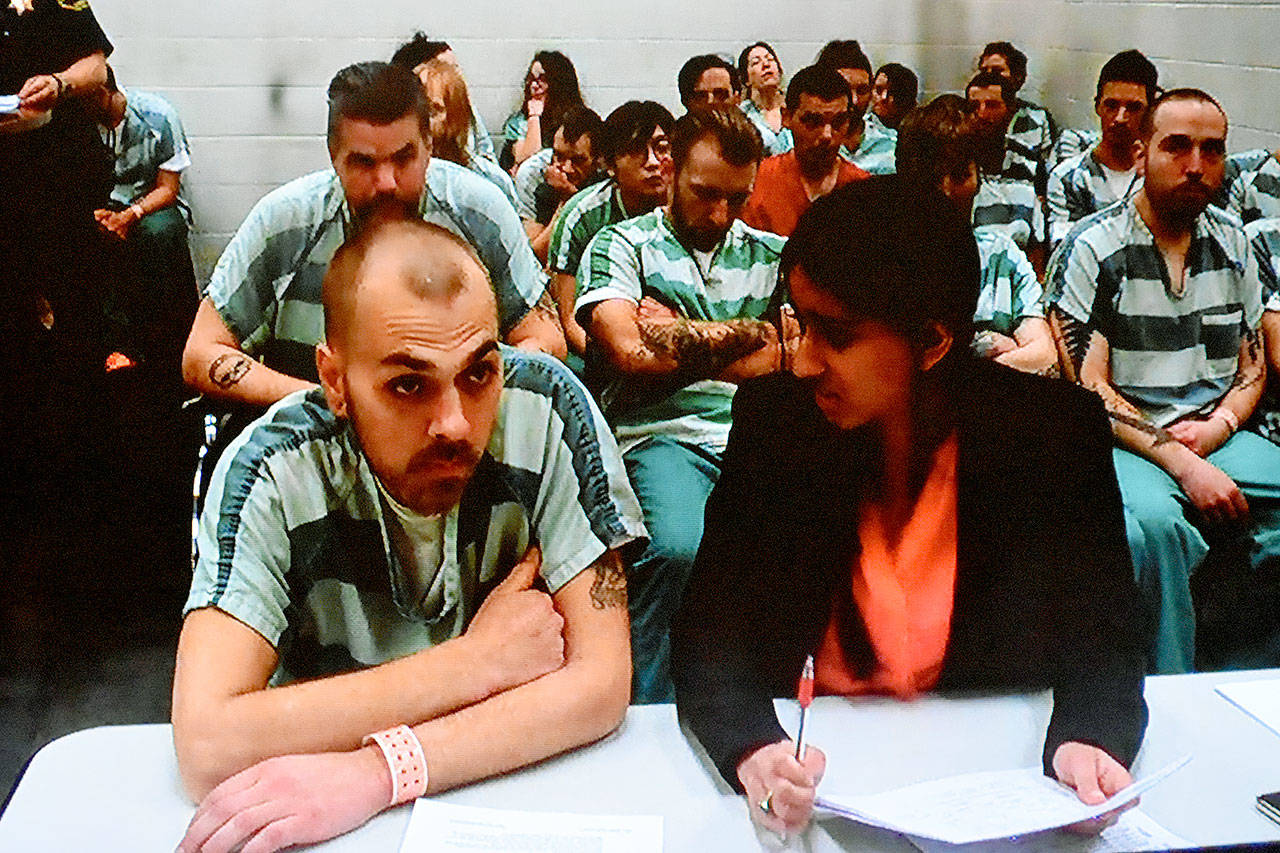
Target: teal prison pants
x=1167, y=545
x=672, y=480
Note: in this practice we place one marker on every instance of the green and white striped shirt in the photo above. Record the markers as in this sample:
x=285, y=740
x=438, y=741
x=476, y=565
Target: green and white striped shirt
x=877, y=152
x=1256, y=195
x=299, y=542
x=267, y=284
x=531, y=175
x=1264, y=239
x=1028, y=145
x=1171, y=355
x=775, y=141
x=1010, y=291
x=1079, y=186
x=148, y=139
x=1010, y=207
x=643, y=257
x=589, y=210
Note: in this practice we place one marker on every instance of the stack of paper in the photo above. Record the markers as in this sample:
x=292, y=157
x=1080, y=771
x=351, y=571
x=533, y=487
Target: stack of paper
x=981, y=806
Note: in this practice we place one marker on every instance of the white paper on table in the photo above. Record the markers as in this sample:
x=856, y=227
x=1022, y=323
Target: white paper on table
x=1134, y=831
x=981, y=806
x=9, y=103
x=1258, y=699
x=437, y=827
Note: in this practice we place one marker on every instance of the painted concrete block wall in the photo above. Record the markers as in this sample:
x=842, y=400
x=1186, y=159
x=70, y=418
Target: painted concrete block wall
x=249, y=77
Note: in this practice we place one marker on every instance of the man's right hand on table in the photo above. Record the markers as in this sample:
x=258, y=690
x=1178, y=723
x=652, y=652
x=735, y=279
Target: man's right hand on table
x=290, y=800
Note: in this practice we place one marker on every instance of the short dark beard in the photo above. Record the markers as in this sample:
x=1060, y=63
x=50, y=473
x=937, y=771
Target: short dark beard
x=815, y=170
x=693, y=238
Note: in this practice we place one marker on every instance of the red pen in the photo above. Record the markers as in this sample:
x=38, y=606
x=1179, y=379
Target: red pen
x=804, y=693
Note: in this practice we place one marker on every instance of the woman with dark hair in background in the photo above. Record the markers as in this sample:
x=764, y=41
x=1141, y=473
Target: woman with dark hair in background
x=550, y=89
x=914, y=517
x=761, y=73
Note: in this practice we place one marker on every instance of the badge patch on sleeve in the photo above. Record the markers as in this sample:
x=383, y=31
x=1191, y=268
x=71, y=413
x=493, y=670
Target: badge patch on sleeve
x=74, y=5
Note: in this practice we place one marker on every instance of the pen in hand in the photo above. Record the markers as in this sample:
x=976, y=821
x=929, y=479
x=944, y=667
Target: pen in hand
x=804, y=694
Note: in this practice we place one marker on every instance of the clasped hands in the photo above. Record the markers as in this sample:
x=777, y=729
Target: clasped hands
x=790, y=785
x=291, y=800
x=118, y=223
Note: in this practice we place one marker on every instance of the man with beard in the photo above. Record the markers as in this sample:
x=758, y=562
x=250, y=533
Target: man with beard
x=1007, y=202
x=675, y=302
x=254, y=333
x=1106, y=173
x=1157, y=303
x=817, y=113
x=432, y=540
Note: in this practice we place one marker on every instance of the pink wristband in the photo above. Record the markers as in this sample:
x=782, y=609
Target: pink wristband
x=1228, y=417
x=408, y=766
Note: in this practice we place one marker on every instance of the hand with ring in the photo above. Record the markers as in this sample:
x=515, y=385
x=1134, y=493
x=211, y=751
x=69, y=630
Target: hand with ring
x=780, y=789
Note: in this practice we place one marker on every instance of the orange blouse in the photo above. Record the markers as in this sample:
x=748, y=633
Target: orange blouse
x=905, y=594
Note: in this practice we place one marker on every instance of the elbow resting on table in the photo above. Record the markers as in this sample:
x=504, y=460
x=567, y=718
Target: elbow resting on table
x=202, y=763
x=599, y=711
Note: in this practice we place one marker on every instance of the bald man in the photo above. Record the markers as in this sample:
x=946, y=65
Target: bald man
x=433, y=539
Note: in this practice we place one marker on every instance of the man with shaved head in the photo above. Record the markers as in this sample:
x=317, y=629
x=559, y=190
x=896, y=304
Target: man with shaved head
x=409, y=578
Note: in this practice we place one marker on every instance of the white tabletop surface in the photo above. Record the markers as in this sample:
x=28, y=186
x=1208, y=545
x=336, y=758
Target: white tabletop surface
x=116, y=788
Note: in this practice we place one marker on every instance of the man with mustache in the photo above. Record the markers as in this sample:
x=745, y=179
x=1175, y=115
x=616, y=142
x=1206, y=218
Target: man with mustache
x=675, y=301
x=1107, y=171
x=818, y=113
x=255, y=330
x=1158, y=308
x=431, y=539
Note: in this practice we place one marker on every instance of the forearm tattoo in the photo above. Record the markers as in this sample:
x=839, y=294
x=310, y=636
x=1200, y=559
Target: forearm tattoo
x=609, y=589
x=700, y=351
x=228, y=369
x=1075, y=339
x=1120, y=411
x=1249, y=373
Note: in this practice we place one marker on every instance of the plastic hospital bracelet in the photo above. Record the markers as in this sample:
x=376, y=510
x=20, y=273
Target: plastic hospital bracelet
x=1228, y=417
x=408, y=766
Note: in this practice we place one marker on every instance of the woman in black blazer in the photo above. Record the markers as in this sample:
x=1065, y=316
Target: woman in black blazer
x=884, y=281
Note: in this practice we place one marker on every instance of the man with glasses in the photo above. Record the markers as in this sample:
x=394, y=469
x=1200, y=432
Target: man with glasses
x=634, y=146
x=674, y=301
x=817, y=112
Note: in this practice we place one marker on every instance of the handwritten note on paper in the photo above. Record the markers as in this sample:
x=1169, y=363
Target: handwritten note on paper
x=981, y=806
x=437, y=827
x=1258, y=699
x=1134, y=831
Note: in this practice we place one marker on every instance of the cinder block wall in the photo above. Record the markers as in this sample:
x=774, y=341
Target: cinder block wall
x=248, y=77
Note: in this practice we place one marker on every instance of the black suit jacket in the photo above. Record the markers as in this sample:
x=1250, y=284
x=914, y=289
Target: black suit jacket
x=1044, y=593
